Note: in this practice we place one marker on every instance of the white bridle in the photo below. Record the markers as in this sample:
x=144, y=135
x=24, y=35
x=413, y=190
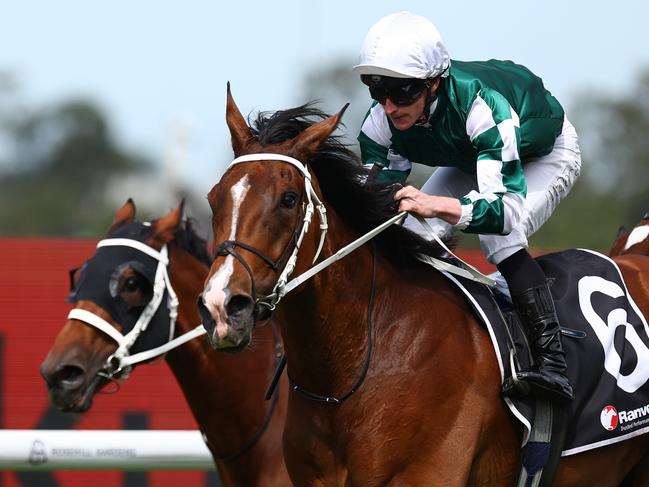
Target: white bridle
x=311, y=195
x=121, y=360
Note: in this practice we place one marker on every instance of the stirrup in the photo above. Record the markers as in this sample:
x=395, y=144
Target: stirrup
x=514, y=384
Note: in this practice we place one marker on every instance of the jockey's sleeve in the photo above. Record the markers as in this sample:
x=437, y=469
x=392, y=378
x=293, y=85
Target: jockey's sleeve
x=493, y=128
x=375, y=140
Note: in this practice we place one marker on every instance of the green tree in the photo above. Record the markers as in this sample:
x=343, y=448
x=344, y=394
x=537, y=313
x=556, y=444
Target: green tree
x=56, y=168
x=334, y=85
x=612, y=190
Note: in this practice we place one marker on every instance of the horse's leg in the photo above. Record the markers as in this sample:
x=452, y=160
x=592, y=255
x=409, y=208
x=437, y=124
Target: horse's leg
x=639, y=476
x=608, y=466
x=499, y=450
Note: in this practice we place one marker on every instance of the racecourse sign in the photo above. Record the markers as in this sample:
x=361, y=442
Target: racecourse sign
x=103, y=450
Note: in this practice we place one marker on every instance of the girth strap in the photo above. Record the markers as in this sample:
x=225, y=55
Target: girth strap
x=540, y=456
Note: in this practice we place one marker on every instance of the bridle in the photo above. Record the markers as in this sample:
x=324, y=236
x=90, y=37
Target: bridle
x=269, y=413
x=284, y=286
x=120, y=362
x=227, y=247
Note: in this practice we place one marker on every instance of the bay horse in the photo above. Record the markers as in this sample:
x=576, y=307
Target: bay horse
x=225, y=392
x=393, y=382
x=634, y=242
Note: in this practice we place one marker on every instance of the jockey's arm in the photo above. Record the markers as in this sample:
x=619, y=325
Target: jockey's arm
x=493, y=128
x=429, y=206
x=496, y=206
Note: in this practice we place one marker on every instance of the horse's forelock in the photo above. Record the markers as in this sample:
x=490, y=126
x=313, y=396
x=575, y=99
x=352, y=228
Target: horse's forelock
x=271, y=128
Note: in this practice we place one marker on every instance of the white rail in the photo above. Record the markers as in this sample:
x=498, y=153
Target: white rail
x=103, y=450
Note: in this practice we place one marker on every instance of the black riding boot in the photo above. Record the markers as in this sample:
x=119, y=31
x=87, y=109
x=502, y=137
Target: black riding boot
x=547, y=377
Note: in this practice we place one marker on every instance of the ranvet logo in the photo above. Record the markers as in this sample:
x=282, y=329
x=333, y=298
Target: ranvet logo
x=609, y=418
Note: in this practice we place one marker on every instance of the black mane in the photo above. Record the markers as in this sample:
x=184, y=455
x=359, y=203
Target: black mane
x=342, y=180
x=187, y=239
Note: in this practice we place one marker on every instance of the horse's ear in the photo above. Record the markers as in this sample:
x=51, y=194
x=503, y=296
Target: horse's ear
x=310, y=139
x=239, y=130
x=124, y=216
x=620, y=241
x=165, y=227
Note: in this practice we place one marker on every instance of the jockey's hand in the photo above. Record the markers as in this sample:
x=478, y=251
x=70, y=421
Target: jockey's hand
x=429, y=206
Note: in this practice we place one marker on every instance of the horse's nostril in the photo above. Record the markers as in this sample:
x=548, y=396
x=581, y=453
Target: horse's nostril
x=208, y=321
x=68, y=377
x=238, y=304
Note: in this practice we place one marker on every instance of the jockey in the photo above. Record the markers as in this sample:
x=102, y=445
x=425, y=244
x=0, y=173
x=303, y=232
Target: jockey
x=506, y=154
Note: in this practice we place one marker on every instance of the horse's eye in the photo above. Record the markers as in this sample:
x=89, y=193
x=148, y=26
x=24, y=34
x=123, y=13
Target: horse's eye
x=130, y=285
x=289, y=199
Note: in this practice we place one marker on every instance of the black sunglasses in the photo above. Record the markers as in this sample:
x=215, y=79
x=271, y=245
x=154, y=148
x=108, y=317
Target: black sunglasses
x=401, y=91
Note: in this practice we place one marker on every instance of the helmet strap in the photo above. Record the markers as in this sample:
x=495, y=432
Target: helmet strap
x=428, y=103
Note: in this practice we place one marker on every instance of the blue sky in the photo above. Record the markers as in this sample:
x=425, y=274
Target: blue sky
x=152, y=65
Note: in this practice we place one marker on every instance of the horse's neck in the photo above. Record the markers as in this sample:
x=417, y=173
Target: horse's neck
x=217, y=386
x=225, y=391
x=325, y=321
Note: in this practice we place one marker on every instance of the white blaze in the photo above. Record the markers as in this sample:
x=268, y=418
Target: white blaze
x=214, y=295
x=637, y=235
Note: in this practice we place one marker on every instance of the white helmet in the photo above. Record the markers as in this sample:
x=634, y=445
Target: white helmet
x=404, y=45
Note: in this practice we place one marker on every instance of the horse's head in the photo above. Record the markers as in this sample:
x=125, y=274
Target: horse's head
x=635, y=241
x=121, y=295
x=261, y=209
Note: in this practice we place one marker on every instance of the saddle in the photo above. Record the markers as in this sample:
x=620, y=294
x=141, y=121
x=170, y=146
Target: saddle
x=606, y=341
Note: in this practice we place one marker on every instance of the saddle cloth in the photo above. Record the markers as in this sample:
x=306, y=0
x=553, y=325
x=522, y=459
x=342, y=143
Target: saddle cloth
x=608, y=368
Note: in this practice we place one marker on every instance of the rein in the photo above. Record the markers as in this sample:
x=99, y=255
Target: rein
x=368, y=354
x=269, y=414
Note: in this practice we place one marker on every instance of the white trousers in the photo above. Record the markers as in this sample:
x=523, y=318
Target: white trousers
x=549, y=179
